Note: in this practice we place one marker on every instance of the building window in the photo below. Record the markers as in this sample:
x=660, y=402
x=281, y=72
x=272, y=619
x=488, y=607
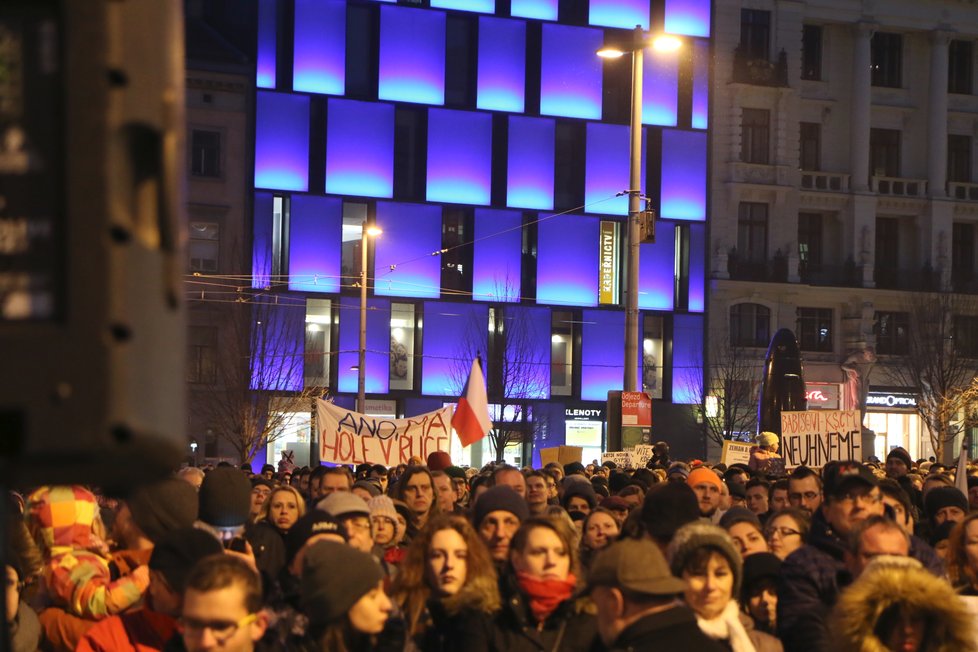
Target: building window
x=811, y=52
x=205, y=153
x=563, y=328
x=960, y=67
x=354, y=215
x=966, y=335
x=281, y=218
x=811, y=146
x=752, y=232
x=886, y=59
x=809, y=241
x=203, y=247
x=456, y=259
x=750, y=325
x=402, y=346
x=887, y=251
x=815, y=329
x=755, y=136
x=884, y=152
x=755, y=33
x=892, y=331
x=652, y=355
x=959, y=158
x=202, y=355
x=316, y=352
x=962, y=254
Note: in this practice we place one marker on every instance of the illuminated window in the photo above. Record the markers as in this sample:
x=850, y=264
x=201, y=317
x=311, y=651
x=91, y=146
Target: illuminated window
x=318, y=330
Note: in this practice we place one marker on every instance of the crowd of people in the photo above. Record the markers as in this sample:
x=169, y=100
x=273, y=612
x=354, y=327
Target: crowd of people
x=431, y=556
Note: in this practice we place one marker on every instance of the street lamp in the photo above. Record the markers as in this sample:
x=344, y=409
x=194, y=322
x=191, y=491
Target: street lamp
x=365, y=232
x=640, y=41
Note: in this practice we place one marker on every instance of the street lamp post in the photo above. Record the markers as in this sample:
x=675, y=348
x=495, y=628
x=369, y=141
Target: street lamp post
x=365, y=231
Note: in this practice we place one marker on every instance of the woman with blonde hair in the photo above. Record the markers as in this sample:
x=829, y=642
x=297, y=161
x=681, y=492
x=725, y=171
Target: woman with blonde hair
x=283, y=508
x=447, y=586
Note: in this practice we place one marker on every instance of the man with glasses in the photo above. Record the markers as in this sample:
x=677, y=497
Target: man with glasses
x=805, y=489
x=222, y=608
x=353, y=515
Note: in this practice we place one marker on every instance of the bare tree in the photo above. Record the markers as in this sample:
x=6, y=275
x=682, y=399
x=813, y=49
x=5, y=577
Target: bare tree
x=732, y=378
x=935, y=362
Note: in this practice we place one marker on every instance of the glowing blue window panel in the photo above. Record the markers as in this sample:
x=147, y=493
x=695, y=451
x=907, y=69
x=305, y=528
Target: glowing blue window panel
x=527, y=352
x=282, y=141
x=602, y=353
x=411, y=232
x=567, y=260
x=266, y=62
x=660, y=88
x=570, y=72
x=459, y=156
x=497, y=255
x=319, y=57
x=412, y=55
x=619, y=13
x=378, y=360
x=606, y=170
x=538, y=9
x=687, y=359
x=277, y=360
x=688, y=17
x=683, y=175
x=697, y=267
x=261, y=251
x=360, y=148
x=701, y=84
x=530, y=178
x=453, y=334
x=502, y=64
x=315, y=239
x=657, y=270
x=480, y=6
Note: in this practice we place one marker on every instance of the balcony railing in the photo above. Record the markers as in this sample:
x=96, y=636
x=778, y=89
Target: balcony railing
x=760, y=72
x=774, y=270
x=960, y=190
x=901, y=278
x=827, y=181
x=899, y=187
x=845, y=275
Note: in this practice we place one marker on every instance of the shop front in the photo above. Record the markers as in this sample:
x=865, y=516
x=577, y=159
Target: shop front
x=584, y=427
x=893, y=417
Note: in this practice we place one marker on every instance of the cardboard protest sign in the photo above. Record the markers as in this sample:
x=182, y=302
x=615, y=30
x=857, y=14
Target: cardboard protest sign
x=736, y=452
x=622, y=459
x=561, y=454
x=815, y=437
x=347, y=437
x=642, y=454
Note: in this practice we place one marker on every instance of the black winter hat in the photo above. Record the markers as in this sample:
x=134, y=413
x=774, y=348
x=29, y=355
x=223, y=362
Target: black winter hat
x=739, y=514
x=940, y=497
x=757, y=567
x=668, y=506
x=314, y=522
x=163, y=506
x=573, y=467
x=225, y=497
x=581, y=490
x=499, y=498
x=177, y=551
x=901, y=453
x=334, y=577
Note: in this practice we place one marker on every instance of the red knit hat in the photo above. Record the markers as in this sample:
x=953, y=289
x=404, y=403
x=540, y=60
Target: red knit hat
x=439, y=461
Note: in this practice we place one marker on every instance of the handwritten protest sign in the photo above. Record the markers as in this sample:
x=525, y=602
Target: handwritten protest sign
x=815, y=437
x=736, y=452
x=622, y=459
x=347, y=437
x=642, y=454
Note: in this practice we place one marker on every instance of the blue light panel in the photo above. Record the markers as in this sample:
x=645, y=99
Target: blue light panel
x=360, y=148
x=657, y=276
x=683, y=175
x=602, y=353
x=688, y=17
x=412, y=55
x=701, y=84
x=481, y=6
x=454, y=333
x=606, y=168
x=619, y=13
x=459, y=156
x=497, y=255
x=502, y=64
x=265, y=63
x=411, y=233
x=261, y=251
x=687, y=359
x=315, y=238
x=530, y=177
x=570, y=71
x=567, y=260
x=538, y=9
x=697, y=267
x=277, y=362
x=527, y=351
x=660, y=95
x=377, y=368
x=319, y=62
x=282, y=141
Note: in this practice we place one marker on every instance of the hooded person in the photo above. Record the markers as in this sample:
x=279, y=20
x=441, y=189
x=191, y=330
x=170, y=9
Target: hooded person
x=150, y=512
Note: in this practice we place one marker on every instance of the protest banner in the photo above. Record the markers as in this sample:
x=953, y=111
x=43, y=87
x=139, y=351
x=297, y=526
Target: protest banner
x=561, y=454
x=347, y=437
x=735, y=452
x=642, y=454
x=622, y=459
x=815, y=437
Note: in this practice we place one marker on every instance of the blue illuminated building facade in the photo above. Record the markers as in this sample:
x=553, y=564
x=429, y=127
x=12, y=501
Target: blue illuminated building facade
x=489, y=143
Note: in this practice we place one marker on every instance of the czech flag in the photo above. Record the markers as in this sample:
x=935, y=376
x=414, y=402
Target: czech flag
x=471, y=419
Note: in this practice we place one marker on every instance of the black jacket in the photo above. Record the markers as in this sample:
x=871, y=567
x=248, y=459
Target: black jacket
x=673, y=629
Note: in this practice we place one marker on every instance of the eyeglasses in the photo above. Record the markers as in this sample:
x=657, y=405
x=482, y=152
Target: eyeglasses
x=783, y=532
x=361, y=524
x=221, y=630
x=850, y=498
x=808, y=495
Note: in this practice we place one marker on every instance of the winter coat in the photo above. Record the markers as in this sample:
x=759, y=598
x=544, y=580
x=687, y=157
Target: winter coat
x=763, y=642
x=669, y=630
x=854, y=619
x=142, y=630
x=25, y=630
x=444, y=631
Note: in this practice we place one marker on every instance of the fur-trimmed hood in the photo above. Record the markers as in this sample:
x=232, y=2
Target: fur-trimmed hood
x=888, y=582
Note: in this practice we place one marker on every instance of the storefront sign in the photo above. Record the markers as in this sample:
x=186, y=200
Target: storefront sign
x=822, y=396
x=584, y=414
x=608, y=273
x=891, y=399
x=814, y=437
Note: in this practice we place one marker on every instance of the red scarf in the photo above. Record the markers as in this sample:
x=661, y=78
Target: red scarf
x=545, y=595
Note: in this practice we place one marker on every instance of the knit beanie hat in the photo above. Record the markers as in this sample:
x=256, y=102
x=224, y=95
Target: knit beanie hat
x=668, y=507
x=382, y=506
x=225, y=497
x=439, y=461
x=739, y=514
x=314, y=522
x=582, y=490
x=178, y=550
x=692, y=537
x=157, y=508
x=678, y=468
x=372, y=487
x=902, y=454
x=341, y=503
x=766, y=438
x=701, y=475
x=334, y=577
x=940, y=497
x=499, y=498
x=757, y=567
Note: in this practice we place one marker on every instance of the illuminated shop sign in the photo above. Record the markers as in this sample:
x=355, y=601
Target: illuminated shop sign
x=887, y=399
x=822, y=396
x=609, y=263
x=584, y=413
